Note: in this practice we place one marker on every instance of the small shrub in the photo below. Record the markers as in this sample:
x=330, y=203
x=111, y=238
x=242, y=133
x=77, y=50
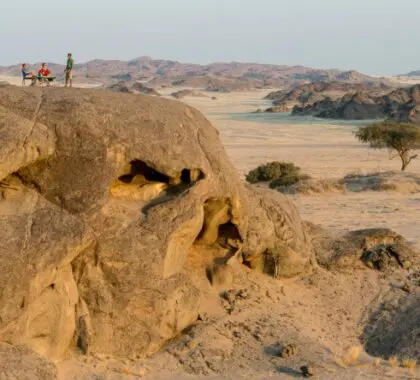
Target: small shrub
x=272, y=171
x=279, y=174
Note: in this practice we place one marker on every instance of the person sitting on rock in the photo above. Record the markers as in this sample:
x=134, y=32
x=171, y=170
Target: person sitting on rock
x=44, y=74
x=27, y=75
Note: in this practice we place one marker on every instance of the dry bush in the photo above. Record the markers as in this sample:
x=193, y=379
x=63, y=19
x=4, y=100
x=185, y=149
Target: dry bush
x=350, y=356
x=409, y=363
x=277, y=173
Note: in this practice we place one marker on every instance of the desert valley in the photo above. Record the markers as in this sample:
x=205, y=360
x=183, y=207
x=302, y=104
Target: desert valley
x=140, y=241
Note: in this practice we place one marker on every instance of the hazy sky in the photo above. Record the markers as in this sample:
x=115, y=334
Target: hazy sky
x=372, y=36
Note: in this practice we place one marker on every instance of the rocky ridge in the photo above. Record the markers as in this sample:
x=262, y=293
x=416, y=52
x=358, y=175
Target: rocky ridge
x=230, y=76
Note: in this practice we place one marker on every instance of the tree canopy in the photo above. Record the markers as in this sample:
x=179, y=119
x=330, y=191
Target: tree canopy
x=398, y=137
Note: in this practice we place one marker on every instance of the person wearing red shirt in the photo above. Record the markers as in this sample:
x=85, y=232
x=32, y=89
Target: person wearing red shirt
x=43, y=73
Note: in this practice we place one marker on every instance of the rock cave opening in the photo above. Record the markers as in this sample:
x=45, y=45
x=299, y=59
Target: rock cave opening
x=218, y=228
x=218, y=241
x=140, y=168
x=141, y=181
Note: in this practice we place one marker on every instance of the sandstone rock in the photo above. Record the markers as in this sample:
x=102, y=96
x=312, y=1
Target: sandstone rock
x=288, y=350
x=376, y=248
x=307, y=371
x=109, y=196
x=23, y=364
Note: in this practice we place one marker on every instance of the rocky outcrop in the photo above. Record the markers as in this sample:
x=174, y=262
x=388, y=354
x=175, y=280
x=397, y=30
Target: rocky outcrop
x=217, y=83
x=375, y=248
x=330, y=99
x=310, y=92
x=136, y=88
x=278, y=109
x=120, y=86
x=143, y=89
x=402, y=105
x=359, y=106
x=109, y=206
x=185, y=93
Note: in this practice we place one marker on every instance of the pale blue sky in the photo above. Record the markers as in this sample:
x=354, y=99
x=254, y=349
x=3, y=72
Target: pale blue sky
x=372, y=36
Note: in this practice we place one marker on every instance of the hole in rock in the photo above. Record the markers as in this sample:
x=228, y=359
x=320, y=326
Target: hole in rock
x=141, y=181
x=229, y=235
x=52, y=286
x=218, y=227
x=218, y=241
x=140, y=168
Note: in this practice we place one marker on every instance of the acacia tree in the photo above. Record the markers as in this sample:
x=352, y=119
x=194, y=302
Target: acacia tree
x=398, y=137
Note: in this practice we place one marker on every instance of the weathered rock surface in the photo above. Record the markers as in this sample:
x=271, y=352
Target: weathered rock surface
x=376, y=248
x=20, y=363
x=393, y=328
x=108, y=197
x=402, y=105
x=357, y=106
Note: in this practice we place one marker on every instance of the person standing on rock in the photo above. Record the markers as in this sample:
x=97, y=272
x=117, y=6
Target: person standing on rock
x=69, y=70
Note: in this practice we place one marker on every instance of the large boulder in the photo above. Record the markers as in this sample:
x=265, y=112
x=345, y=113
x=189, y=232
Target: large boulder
x=105, y=198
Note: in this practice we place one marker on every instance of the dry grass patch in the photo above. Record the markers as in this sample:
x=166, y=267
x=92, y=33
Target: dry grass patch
x=394, y=361
x=409, y=363
x=350, y=357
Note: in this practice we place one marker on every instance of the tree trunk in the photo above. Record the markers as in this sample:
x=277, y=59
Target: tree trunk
x=404, y=164
x=406, y=159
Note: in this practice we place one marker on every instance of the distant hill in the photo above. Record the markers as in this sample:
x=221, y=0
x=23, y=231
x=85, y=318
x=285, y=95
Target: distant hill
x=413, y=74
x=219, y=77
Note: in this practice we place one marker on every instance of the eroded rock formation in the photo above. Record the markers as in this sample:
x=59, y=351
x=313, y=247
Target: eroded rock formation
x=106, y=199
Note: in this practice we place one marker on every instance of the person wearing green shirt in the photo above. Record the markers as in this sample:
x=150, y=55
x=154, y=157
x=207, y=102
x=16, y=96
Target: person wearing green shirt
x=69, y=70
